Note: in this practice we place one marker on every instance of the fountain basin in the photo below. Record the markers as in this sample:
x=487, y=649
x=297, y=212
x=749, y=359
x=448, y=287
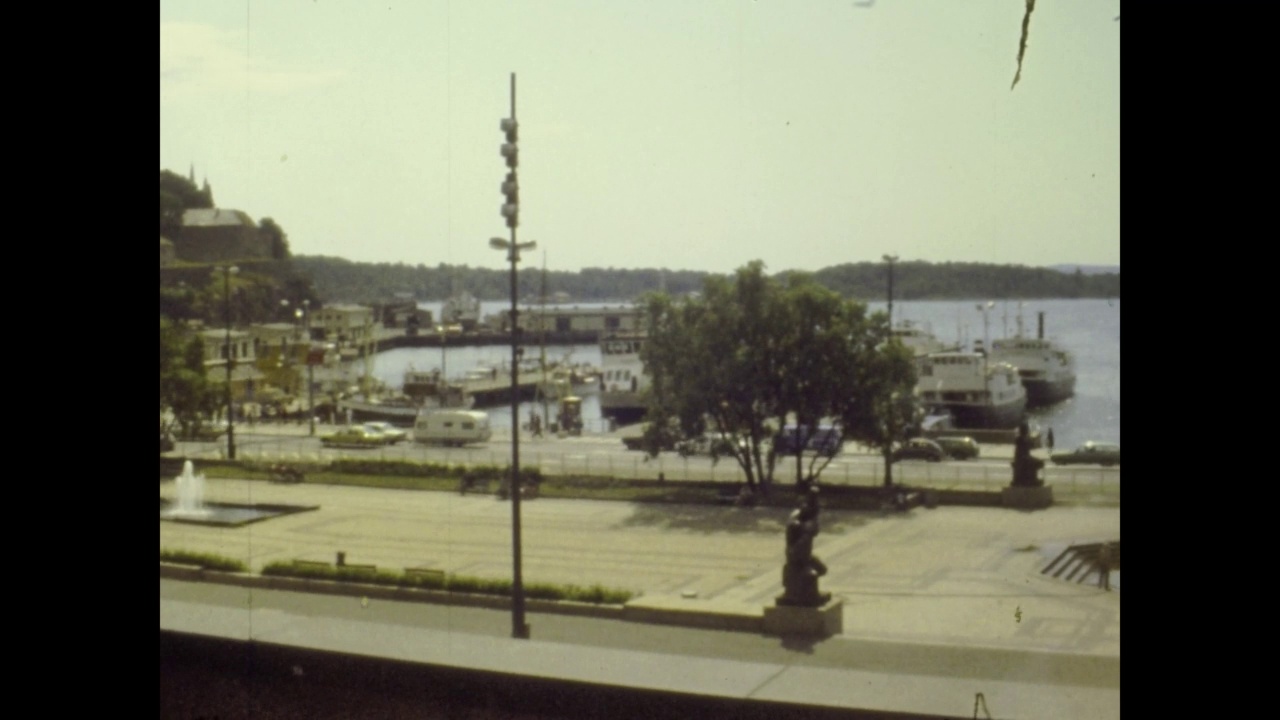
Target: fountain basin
x=227, y=514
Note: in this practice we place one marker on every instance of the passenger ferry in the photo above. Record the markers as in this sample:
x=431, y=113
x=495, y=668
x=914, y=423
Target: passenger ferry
x=980, y=392
x=1047, y=371
x=622, y=378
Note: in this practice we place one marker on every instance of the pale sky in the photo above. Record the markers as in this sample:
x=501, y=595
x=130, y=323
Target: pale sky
x=685, y=134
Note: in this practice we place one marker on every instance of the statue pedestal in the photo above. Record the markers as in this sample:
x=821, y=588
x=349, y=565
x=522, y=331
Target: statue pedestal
x=825, y=620
x=1027, y=498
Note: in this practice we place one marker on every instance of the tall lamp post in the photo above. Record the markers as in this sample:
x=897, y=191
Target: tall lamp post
x=893, y=398
x=891, y=259
x=227, y=272
x=511, y=211
x=519, y=628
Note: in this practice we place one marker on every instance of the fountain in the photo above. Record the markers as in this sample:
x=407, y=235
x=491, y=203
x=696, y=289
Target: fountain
x=190, y=494
x=190, y=506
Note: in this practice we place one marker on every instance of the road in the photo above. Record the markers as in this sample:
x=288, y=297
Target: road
x=604, y=454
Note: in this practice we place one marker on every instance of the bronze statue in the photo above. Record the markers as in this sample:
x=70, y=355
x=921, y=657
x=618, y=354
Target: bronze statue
x=800, y=574
x=1026, y=469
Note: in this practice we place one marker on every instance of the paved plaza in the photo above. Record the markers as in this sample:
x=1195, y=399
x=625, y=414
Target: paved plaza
x=939, y=605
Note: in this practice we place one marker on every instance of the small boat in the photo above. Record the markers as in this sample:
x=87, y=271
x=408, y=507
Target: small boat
x=461, y=309
x=431, y=390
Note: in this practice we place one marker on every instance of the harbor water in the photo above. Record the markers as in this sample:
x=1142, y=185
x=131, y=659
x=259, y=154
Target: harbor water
x=1089, y=329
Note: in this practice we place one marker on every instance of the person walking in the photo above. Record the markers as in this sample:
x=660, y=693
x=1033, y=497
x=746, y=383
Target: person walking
x=1104, y=566
x=1049, y=439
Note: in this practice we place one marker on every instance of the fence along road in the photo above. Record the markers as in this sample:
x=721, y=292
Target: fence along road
x=603, y=454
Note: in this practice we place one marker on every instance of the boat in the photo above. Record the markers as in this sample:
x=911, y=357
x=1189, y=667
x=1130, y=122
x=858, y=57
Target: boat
x=918, y=339
x=623, y=380
x=430, y=390
x=979, y=391
x=461, y=309
x=1048, y=372
x=563, y=380
x=397, y=410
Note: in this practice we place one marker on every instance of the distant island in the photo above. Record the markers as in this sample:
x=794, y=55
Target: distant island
x=341, y=280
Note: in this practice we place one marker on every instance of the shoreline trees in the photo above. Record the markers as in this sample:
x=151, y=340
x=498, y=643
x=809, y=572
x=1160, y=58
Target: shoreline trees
x=751, y=355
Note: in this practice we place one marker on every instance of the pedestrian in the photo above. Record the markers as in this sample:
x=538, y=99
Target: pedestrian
x=1104, y=566
x=1048, y=438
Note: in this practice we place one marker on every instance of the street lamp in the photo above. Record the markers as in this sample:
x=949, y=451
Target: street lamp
x=984, y=309
x=891, y=259
x=519, y=628
x=510, y=210
x=227, y=272
x=893, y=398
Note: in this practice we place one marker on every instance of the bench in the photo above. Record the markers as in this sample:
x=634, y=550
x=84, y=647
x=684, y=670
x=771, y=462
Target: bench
x=311, y=564
x=358, y=567
x=285, y=474
x=425, y=573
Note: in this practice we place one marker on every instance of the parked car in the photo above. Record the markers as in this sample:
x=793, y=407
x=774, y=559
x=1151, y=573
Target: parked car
x=960, y=448
x=920, y=449
x=825, y=440
x=393, y=433
x=355, y=436
x=1090, y=453
x=708, y=444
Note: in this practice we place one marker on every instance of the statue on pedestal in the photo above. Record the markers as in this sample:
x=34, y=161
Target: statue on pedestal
x=800, y=574
x=1026, y=469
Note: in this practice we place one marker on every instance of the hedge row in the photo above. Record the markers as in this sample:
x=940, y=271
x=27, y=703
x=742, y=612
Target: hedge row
x=596, y=594
x=208, y=561
x=404, y=468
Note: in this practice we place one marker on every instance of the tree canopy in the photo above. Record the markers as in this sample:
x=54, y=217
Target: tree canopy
x=752, y=354
x=176, y=195
x=186, y=396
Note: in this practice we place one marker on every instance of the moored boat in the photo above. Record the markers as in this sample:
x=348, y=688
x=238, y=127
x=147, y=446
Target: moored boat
x=979, y=392
x=622, y=378
x=1048, y=372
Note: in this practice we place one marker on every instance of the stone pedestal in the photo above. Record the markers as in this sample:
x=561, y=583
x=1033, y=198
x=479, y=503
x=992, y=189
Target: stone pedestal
x=1027, y=498
x=822, y=621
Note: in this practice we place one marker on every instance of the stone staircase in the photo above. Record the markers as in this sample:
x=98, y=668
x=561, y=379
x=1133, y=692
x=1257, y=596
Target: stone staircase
x=1080, y=563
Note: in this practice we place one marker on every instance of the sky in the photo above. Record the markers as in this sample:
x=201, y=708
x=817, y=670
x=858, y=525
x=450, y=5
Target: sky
x=658, y=134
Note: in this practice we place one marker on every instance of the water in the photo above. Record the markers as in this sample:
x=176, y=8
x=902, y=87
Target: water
x=190, y=489
x=1090, y=329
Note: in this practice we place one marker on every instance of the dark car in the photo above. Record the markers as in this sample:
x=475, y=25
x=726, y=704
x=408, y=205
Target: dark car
x=920, y=449
x=825, y=440
x=1090, y=453
x=959, y=448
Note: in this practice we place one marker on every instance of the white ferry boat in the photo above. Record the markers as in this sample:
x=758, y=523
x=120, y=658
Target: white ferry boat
x=918, y=338
x=980, y=392
x=1047, y=371
x=622, y=378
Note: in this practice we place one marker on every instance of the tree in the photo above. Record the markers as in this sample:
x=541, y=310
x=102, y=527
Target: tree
x=186, y=395
x=176, y=195
x=279, y=241
x=752, y=353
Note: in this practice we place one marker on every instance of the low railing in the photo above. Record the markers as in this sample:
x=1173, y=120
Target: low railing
x=1074, y=484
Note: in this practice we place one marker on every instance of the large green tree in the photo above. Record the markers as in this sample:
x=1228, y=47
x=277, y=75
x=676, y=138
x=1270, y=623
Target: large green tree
x=186, y=395
x=751, y=354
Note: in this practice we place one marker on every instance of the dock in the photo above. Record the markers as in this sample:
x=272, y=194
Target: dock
x=490, y=392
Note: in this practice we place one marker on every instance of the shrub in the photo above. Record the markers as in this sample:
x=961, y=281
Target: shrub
x=596, y=594
x=208, y=561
